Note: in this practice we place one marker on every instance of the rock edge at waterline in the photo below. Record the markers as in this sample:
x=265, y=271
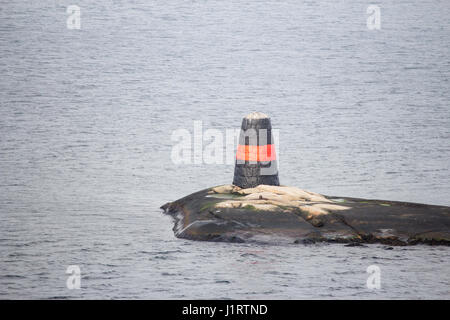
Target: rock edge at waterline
x=279, y=213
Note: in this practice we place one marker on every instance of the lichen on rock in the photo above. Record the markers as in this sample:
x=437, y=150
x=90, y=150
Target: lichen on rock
x=272, y=198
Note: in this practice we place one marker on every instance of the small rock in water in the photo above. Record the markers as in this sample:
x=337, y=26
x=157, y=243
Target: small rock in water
x=355, y=244
x=305, y=241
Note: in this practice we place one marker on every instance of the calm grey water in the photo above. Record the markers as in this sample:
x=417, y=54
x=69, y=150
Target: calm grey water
x=86, y=119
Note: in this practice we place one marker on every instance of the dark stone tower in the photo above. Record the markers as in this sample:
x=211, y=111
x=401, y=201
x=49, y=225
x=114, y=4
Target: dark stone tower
x=256, y=161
